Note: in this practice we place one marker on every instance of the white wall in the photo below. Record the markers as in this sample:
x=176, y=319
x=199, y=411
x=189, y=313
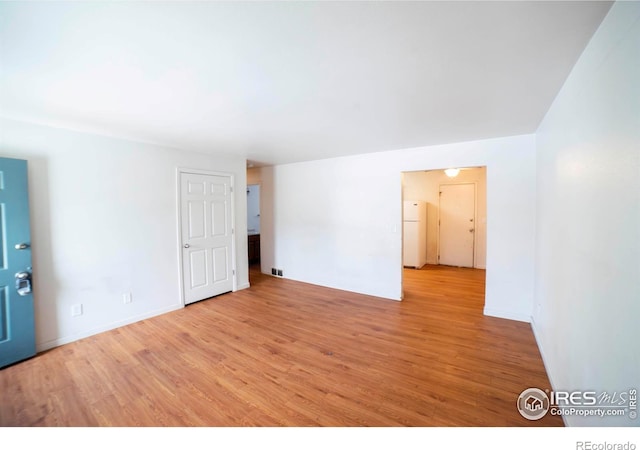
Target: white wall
x=587, y=282
x=425, y=186
x=103, y=214
x=338, y=221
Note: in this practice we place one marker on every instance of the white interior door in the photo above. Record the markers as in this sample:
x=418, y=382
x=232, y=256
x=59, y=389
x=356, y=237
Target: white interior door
x=457, y=224
x=207, y=235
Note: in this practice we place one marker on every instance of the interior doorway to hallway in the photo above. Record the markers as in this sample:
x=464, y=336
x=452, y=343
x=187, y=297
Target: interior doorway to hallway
x=456, y=218
x=253, y=223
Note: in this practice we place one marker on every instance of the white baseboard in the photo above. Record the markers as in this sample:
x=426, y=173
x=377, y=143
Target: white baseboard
x=42, y=346
x=507, y=315
x=243, y=286
x=536, y=335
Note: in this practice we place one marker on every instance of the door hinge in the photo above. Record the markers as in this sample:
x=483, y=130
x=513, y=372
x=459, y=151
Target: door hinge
x=234, y=272
x=230, y=188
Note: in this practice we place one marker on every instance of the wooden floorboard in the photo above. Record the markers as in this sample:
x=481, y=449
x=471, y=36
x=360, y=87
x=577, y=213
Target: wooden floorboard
x=284, y=353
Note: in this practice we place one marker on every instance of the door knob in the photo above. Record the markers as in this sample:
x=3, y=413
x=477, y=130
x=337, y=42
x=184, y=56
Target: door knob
x=22, y=246
x=470, y=230
x=186, y=246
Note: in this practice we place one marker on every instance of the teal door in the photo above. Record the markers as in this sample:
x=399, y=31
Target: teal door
x=17, y=334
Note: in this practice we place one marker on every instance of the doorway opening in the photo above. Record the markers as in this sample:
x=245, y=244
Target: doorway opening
x=253, y=224
x=451, y=234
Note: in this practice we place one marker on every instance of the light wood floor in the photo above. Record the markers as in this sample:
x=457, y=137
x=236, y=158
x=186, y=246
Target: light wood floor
x=284, y=353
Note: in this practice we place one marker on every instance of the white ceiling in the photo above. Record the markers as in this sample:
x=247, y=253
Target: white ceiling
x=278, y=82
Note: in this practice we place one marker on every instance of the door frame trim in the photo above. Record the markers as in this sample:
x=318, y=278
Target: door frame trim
x=179, y=172
x=475, y=218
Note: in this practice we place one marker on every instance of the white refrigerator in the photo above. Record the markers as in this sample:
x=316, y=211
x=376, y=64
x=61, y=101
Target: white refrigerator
x=414, y=234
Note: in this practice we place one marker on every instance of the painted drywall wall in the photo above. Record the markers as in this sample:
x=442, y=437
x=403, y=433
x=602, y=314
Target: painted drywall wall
x=424, y=185
x=104, y=223
x=338, y=222
x=587, y=282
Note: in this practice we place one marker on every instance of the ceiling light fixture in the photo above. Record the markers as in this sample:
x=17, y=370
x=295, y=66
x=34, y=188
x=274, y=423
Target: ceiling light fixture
x=451, y=173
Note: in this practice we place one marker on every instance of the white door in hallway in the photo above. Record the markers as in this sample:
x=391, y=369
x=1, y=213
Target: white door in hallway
x=207, y=235
x=457, y=224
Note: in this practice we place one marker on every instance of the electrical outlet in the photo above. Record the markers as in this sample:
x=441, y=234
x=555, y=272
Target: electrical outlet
x=279, y=272
x=126, y=298
x=76, y=310
x=274, y=271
